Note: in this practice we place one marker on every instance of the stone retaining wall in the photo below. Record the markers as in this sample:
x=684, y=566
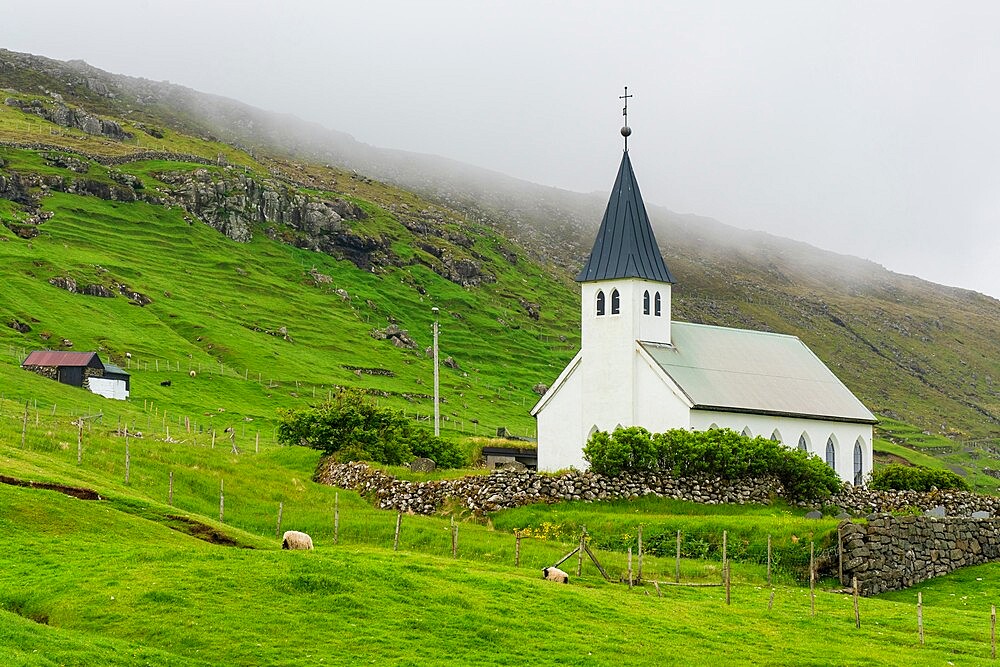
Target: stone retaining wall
x=507, y=488
x=889, y=552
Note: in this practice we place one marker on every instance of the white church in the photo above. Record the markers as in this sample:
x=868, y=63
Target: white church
x=638, y=368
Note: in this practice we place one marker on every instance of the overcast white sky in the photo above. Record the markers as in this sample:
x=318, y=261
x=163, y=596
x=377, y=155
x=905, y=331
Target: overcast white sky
x=868, y=128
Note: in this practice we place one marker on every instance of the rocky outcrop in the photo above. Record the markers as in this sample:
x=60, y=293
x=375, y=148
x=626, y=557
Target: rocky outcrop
x=233, y=203
x=103, y=291
x=398, y=337
x=72, y=117
x=891, y=552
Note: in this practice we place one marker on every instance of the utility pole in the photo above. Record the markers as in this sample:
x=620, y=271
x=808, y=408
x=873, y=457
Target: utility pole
x=437, y=407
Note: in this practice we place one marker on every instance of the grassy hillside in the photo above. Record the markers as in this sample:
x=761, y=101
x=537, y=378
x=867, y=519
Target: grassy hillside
x=124, y=580
x=218, y=308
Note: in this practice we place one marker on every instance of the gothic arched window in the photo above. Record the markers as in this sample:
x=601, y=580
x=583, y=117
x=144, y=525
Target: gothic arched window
x=831, y=453
x=600, y=302
x=803, y=443
x=775, y=436
x=746, y=432
x=616, y=303
x=858, y=462
x=656, y=305
x=645, y=303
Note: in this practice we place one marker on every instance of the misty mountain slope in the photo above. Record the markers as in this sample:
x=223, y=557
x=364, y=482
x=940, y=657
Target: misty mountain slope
x=911, y=349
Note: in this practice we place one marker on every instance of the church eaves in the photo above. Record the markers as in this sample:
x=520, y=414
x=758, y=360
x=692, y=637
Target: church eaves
x=625, y=246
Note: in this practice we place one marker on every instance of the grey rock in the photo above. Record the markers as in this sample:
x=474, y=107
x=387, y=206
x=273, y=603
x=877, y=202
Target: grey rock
x=815, y=514
x=421, y=464
x=936, y=511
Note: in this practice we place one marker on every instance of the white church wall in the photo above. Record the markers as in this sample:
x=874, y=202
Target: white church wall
x=561, y=425
x=845, y=435
x=658, y=408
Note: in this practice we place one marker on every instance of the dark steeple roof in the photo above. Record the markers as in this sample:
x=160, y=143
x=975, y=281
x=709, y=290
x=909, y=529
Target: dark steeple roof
x=625, y=246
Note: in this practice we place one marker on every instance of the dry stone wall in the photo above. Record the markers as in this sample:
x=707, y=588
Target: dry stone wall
x=890, y=552
x=508, y=488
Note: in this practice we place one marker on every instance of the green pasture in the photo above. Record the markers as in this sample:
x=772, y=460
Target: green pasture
x=123, y=581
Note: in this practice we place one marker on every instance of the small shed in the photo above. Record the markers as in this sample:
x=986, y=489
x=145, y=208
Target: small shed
x=80, y=369
x=115, y=384
x=500, y=456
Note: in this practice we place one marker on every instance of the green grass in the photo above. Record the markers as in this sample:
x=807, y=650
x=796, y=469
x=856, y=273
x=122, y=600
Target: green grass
x=110, y=582
x=214, y=298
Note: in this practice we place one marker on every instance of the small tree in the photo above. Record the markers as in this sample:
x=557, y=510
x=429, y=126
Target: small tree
x=353, y=428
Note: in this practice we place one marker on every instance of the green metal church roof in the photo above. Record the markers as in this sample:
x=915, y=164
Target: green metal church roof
x=737, y=370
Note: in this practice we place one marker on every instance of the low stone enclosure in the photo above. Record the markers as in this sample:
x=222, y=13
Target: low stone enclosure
x=891, y=552
x=885, y=551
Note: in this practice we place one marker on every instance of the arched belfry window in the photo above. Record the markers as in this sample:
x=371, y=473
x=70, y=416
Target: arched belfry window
x=656, y=305
x=645, y=302
x=803, y=443
x=616, y=302
x=831, y=453
x=600, y=302
x=859, y=466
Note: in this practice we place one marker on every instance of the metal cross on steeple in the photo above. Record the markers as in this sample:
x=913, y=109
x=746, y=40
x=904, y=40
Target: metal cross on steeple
x=626, y=130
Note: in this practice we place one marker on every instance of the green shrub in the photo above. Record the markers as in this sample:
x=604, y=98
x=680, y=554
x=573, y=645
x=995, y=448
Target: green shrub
x=896, y=477
x=715, y=453
x=352, y=427
x=445, y=453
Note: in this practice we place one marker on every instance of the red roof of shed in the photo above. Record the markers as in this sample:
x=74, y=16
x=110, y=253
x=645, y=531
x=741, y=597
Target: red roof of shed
x=56, y=358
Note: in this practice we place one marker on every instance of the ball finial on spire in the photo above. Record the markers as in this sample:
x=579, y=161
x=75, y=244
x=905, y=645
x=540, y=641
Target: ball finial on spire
x=626, y=130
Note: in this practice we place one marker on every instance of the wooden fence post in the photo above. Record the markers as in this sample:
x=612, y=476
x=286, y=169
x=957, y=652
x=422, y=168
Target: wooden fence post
x=812, y=579
x=920, y=617
x=395, y=540
x=454, y=539
x=281, y=509
x=724, y=557
x=79, y=441
x=222, y=502
x=639, y=574
x=857, y=612
x=770, y=600
x=768, y=560
x=677, y=565
x=840, y=554
x=517, y=549
x=579, y=554
x=256, y=444
x=630, y=567
x=728, y=576
x=170, y=489
x=656, y=585
x=128, y=463
x=993, y=631
x=213, y=437
x=336, y=517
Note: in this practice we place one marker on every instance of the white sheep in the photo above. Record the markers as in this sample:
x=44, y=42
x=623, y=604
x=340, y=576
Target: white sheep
x=555, y=574
x=192, y=373
x=293, y=539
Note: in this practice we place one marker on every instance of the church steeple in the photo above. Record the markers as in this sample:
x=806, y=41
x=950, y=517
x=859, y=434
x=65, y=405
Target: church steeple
x=625, y=246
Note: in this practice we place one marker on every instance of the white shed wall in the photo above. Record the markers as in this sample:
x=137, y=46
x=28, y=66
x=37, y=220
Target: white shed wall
x=109, y=388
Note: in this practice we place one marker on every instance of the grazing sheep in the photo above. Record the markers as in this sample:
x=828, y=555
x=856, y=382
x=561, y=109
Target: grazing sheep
x=192, y=373
x=293, y=539
x=165, y=383
x=555, y=574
